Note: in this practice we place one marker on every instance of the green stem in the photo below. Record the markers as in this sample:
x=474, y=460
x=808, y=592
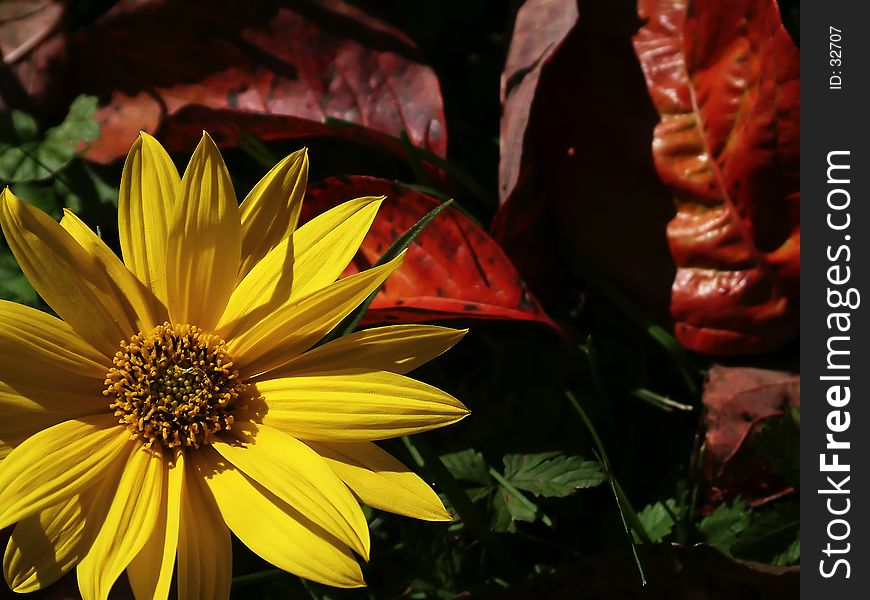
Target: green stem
x=662, y=402
x=662, y=337
x=253, y=147
x=260, y=577
x=350, y=322
x=521, y=498
x=626, y=512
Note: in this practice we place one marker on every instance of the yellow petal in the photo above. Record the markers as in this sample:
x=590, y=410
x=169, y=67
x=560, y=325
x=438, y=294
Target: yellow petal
x=71, y=281
x=128, y=524
x=205, y=554
x=271, y=210
x=396, y=348
x=57, y=463
x=21, y=417
x=355, y=406
x=149, y=186
x=274, y=530
x=45, y=546
x=262, y=345
x=204, y=240
x=298, y=476
x=148, y=309
x=150, y=573
x=48, y=374
x=41, y=357
x=312, y=258
x=381, y=481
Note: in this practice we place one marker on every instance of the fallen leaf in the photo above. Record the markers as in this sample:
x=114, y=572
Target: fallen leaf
x=577, y=179
x=541, y=27
x=725, y=78
x=316, y=68
x=24, y=24
x=737, y=400
x=453, y=270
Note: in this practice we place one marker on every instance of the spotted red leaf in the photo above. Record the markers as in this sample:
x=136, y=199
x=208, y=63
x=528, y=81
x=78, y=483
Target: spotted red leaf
x=725, y=78
x=452, y=270
x=736, y=401
x=274, y=69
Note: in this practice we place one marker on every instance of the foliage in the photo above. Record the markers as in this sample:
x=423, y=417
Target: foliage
x=547, y=474
x=561, y=251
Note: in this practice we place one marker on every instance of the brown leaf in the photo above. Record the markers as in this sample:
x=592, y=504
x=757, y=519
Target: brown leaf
x=26, y=23
x=541, y=27
x=263, y=68
x=736, y=401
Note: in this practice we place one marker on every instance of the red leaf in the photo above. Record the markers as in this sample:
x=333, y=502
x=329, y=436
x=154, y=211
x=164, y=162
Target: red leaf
x=258, y=67
x=453, y=269
x=29, y=38
x=24, y=24
x=578, y=123
x=725, y=78
x=736, y=401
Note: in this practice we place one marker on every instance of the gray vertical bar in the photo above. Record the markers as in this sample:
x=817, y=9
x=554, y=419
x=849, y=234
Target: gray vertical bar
x=835, y=121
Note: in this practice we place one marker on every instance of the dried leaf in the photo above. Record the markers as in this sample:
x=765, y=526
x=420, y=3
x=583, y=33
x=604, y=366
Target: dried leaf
x=725, y=78
x=738, y=400
x=273, y=70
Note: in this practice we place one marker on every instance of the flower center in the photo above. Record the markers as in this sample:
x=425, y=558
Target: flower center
x=173, y=385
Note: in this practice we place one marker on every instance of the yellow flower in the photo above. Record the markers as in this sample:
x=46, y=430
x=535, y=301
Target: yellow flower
x=179, y=399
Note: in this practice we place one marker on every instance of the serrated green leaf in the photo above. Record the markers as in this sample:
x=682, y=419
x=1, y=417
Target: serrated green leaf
x=722, y=527
x=551, y=474
x=507, y=510
x=25, y=157
x=658, y=520
x=79, y=125
x=468, y=465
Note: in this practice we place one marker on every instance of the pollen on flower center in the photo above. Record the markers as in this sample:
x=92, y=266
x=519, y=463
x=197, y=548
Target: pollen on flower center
x=174, y=385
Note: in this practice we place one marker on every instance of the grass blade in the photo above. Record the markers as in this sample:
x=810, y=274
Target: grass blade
x=626, y=512
x=350, y=322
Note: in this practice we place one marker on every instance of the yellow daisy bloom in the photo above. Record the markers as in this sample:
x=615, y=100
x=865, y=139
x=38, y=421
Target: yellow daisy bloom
x=177, y=398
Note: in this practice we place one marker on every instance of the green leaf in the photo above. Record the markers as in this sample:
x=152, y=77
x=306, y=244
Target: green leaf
x=13, y=285
x=722, y=528
x=25, y=157
x=508, y=509
x=791, y=555
x=17, y=128
x=467, y=465
x=658, y=520
x=551, y=474
x=770, y=533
